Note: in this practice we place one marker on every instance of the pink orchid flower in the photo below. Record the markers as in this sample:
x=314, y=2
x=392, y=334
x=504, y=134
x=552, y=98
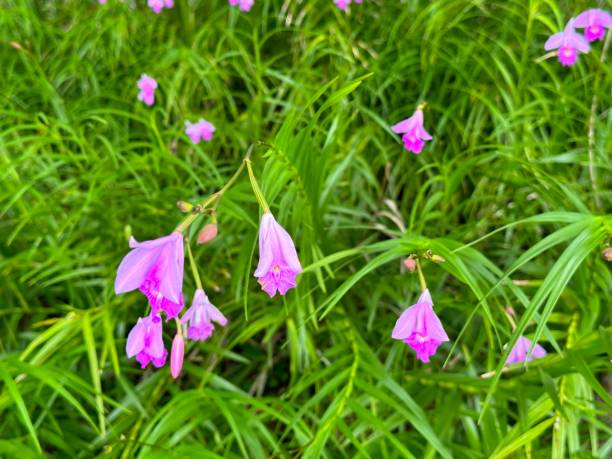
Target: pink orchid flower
x=420, y=328
x=414, y=132
x=278, y=261
x=146, y=343
x=147, y=86
x=520, y=350
x=158, y=5
x=568, y=43
x=201, y=316
x=176, y=355
x=244, y=5
x=595, y=22
x=156, y=269
x=201, y=130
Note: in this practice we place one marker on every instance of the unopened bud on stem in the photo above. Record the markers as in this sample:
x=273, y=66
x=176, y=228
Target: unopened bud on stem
x=208, y=233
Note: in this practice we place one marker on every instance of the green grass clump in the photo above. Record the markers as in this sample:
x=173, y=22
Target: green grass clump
x=513, y=192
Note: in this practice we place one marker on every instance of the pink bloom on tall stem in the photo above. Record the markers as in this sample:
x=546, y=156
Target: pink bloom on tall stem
x=420, y=328
x=201, y=316
x=520, y=350
x=176, y=355
x=147, y=86
x=595, y=22
x=568, y=43
x=414, y=132
x=278, y=261
x=156, y=269
x=146, y=343
x=201, y=130
x=244, y=5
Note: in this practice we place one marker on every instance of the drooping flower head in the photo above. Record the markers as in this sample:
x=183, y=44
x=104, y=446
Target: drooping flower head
x=201, y=316
x=414, y=133
x=176, y=355
x=147, y=86
x=156, y=269
x=244, y=5
x=146, y=343
x=420, y=328
x=200, y=130
x=594, y=22
x=278, y=261
x=568, y=43
x=520, y=350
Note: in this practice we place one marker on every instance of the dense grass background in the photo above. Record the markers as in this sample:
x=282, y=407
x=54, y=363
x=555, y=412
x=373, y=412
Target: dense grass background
x=512, y=192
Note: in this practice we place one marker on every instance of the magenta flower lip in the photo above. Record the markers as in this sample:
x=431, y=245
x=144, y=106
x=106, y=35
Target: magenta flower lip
x=420, y=328
x=278, y=261
x=155, y=268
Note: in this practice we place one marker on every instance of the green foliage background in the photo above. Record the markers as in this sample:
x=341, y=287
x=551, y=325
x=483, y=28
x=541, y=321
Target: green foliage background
x=508, y=192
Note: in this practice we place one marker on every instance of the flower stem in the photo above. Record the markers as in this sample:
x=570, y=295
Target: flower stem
x=194, y=268
x=422, y=282
x=179, y=327
x=215, y=197
x=256, y=189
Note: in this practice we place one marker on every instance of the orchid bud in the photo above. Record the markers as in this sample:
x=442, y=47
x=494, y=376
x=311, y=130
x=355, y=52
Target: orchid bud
x=410, y=264
x=176, y=355
x=437, y=259
x=208, y=233
x=184, y=206
x=607, y=253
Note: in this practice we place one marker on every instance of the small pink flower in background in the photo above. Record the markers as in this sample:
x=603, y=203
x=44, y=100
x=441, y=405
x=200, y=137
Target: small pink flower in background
x=158, y=5
x=147, y=86
x=420, y=328
x=595, y=22
x=568, y=43
x=344, y=4
x=201, y=130
x=520, y=350
x=101, y=2
x=146, y=343
x=278, y=261
x=176, y=356
x=244, y=5
x=156, y=269
x=414, y=132
x=200, y=316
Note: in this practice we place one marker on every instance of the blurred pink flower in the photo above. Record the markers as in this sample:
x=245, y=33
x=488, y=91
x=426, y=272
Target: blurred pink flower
x=156, y=269
x=201, y=130
x=595, y=22
x=414, y=132
x=278, y=261
x=520, y=350
x=146, y=343
x=176, y=355
x=568, y=43
x=101, y=2
x=147, y=86
x=200, y=316
x=244, y=5
x=344, y=4
x=420, y=328
x=158, y=5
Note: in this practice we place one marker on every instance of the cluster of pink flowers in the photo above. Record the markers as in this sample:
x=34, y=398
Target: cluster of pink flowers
x=155, y=268
x=569, y=43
